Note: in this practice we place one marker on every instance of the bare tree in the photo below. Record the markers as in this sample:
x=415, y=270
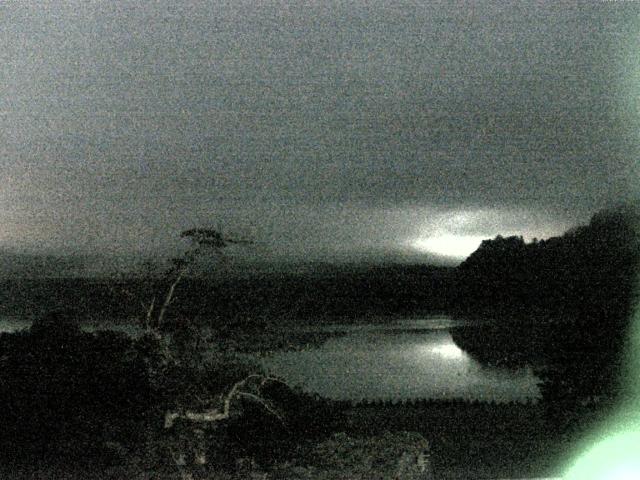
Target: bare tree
x=190, y=450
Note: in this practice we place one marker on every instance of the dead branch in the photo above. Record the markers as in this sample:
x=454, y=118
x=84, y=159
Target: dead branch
x=147, y=321
x=167, y=299
x=264, y=404
x=215, y=415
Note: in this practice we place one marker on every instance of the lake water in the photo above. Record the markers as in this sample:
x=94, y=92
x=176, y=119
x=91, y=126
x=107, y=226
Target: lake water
x=410, y=359
x=401, y=360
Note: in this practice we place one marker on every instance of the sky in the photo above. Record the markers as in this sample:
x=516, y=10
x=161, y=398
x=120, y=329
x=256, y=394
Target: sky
x=320, y=129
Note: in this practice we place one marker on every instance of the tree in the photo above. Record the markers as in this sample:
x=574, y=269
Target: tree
x=202, y=242
x=176, y=366
x=162, y=347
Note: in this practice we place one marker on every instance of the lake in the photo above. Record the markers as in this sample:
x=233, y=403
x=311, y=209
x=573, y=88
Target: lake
x=399, y=360
x=407, y=359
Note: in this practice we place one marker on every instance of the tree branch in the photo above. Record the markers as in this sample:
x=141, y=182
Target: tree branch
x=147, y=320
x=215, y=415
x=167, y=300
x=264, y=404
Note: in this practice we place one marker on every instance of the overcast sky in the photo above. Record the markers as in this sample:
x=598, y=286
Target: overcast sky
x=318, y=127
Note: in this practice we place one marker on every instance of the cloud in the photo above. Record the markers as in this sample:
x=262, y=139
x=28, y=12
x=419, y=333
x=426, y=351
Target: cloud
x=310, y=122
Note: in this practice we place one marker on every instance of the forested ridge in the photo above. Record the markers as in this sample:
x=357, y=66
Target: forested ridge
x=564, y=303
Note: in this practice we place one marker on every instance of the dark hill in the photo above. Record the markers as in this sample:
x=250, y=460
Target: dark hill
x=564, y=302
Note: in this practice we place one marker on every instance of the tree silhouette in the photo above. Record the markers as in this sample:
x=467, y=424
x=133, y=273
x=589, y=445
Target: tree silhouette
x=202, y=242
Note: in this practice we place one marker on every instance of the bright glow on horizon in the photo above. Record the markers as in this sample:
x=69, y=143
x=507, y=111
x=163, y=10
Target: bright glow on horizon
x=457, y=234
x=449, y=245
x=448, y=351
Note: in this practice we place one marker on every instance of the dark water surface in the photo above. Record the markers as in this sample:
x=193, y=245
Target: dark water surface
x=408, y=359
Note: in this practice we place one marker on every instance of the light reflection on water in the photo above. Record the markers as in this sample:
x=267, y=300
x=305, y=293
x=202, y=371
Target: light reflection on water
x=400, y=365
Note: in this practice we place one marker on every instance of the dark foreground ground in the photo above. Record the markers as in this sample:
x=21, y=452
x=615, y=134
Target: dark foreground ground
x=467, y=440
x=486, y=441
